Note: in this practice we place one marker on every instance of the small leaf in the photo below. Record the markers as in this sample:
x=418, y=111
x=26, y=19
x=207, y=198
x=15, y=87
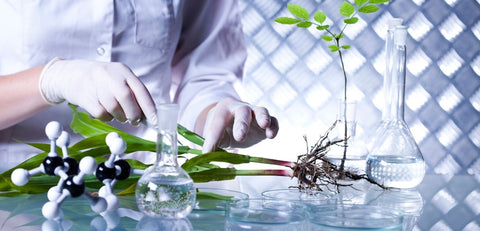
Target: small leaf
x=304, y=24
x=327, y=38
x=320, y=17
x=347, y=9
x=368, y=9
x=378, y=1
x=340, y=36
x=216, y=156
x=360, y=2
x=298, y=11
x=333, y=48
x=287, y=20
x=346, y=47
x=323, y=27
x=216, y=174
x=351, y=20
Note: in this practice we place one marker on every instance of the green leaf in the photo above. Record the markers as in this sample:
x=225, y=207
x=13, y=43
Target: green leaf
x=327, y=38
x=83, y=124
x=346, y=9
x=346, y=47
x=323, y=27
x=378, y=1
x=360, y=2
x=340, y=36
x=320, y=17
x=352, y=20
x=287, y=20
x=217, y=174
x=298, y=11
x=304, y=24
x=368, y=9
x=333, y=48
x=226, y=157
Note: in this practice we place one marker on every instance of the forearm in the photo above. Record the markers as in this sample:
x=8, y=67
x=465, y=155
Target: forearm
x=20, y=97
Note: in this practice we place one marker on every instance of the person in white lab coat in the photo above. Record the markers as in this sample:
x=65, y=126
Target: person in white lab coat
x=116, y=59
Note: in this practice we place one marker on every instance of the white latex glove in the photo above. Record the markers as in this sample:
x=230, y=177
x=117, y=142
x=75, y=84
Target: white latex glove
x=105, y=90
x=231, y=123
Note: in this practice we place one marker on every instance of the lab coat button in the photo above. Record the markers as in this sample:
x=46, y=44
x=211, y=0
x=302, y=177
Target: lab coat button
x=100, y=51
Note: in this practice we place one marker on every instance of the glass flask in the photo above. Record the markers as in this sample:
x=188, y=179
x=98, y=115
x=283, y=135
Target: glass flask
x=389, y=48
x=165, y=189
x=395, y=159
x=353, y=149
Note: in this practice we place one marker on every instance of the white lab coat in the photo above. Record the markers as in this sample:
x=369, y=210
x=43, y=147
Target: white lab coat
x=188, y=51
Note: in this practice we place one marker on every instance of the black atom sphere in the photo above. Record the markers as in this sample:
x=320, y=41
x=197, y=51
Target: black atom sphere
x=50, y=163
x=75, y=190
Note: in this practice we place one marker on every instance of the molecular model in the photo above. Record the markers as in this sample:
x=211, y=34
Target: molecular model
x=72, y=173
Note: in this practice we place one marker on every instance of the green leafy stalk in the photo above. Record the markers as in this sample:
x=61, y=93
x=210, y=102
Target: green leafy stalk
x=200, y=166
x=349, y=11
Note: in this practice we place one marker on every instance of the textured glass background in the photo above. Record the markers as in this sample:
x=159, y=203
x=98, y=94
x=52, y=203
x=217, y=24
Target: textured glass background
x=291, y=72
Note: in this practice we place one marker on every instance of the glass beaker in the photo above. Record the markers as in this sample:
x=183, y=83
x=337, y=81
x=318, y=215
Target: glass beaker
x=395, y=159
x=165, y=189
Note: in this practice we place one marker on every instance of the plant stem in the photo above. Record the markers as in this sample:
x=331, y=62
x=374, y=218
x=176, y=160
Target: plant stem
x=265, y=172
x=342, y=164
x=271, y=161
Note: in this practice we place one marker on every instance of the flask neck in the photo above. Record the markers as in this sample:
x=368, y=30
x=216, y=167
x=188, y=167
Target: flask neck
x=395, y=86
x=167, y=151
x=387, y=79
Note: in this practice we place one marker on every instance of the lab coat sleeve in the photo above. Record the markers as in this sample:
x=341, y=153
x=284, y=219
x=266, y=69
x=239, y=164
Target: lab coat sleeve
x=209, y=58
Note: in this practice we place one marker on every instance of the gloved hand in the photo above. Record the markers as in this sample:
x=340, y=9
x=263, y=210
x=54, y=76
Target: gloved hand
x=105, y=90
x=231, y=123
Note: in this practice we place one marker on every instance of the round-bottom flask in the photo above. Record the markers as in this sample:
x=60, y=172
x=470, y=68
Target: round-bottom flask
x=165, y=189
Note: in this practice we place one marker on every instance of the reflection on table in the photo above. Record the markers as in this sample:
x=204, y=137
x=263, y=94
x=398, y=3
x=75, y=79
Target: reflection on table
x=439, y=203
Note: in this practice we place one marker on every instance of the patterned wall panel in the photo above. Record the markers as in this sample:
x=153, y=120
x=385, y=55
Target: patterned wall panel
x=292, y=73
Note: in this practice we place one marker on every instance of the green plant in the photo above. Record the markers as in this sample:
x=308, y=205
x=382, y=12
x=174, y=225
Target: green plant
x=201, y=167
x=349, y=12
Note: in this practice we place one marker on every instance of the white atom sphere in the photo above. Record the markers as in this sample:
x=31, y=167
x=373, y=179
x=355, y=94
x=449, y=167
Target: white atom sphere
x=112, y=202
x=63, y=140
x=99, y=205
x=53, y=130
x=20, y=177
x=88, y=165
x=111, y=137
x=51, y=210
x=54, y=193
x=115, y=143
x=103, y=191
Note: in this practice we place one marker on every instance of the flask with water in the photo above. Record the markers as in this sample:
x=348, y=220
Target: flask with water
x=394, y=159
x=165, y=189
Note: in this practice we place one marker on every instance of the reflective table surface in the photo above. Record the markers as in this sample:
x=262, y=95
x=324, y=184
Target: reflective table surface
x=439, y=203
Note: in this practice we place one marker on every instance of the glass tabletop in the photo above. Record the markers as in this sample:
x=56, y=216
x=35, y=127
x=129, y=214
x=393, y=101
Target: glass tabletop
x=440, y=202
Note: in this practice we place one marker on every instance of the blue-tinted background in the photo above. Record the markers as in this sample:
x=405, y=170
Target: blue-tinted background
x=291, y=72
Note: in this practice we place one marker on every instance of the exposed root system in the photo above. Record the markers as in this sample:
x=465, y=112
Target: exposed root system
x=314, y=171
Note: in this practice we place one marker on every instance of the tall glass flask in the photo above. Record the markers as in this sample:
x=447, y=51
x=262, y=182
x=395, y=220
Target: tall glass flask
x=395, y=159
x=387, y=80
x=165, y=189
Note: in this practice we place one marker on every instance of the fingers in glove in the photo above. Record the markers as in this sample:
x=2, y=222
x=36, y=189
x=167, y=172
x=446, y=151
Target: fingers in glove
x=98, y=111
x=272, y=130
x=267, y=122
x=215, y=124
x=111, y=105
x=241, y=123
x=262, y=117
x=143, y=99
